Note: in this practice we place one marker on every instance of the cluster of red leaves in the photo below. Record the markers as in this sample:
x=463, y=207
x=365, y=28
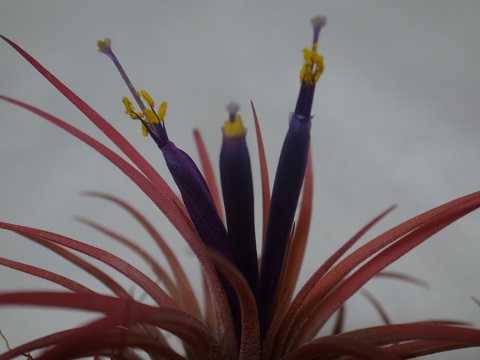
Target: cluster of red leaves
x=127, y=325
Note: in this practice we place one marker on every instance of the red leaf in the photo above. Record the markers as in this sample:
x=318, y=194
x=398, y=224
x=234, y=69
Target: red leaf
x=177, y=322
x=174, y=212
x=403, y=277
x=377, y=306
x=98, y=274
x=38, y=343
x=250, y=346
x=182, y=281
x=45, y=274
x=263, y=172
x=451, y=209
x=100, y=123
x=137, y=249
x=414, y=349
x=286, y=322
x=94, y=342
x=328, y=346
x=115, y=262
x=388, y=334
x=340, y=320
x=366, y=272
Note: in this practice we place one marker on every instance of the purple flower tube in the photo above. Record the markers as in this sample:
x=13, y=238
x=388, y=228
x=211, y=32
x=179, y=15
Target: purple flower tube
x=289, y=179
x=237, y=188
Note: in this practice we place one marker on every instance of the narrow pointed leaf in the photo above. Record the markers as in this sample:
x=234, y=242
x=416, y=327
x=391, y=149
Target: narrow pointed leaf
x=286, y=321
x=339, y=324
x=340, y=347
x=173, y=211
x=378, y=263
x=395, y=275
x=179, y=323
x=377, y=305
x=250, y=346
x=161, y=274
x=183, y=283
x=44, y=274
x=94, y=271
x=265, y=180
x=417, y=348
x=389, y=334
x=115, y=262
x=99, y=121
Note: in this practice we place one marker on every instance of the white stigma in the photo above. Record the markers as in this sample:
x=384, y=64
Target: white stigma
x=318, y=22
x=232, y=108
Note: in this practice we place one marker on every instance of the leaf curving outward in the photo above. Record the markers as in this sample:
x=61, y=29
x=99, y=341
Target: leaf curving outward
x=379, y=262
x=182, y=282
x=250, y=346
x=117, y=138
x=115, y=262
x=53, y=277
x=285, y=321
x=339, y=347
x=243, y=318
x=161, y=274
x=129, y=312
x=174, y=213
x=265, y=180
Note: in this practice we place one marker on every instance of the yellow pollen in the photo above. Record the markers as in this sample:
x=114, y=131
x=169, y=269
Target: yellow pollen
x=313, y=65
x=127, y=104
x=104, y=44
x=129, y=108
x=162, y=110
x=149, y=116
x=234, y=128
x=148, y=99
x=144, y=131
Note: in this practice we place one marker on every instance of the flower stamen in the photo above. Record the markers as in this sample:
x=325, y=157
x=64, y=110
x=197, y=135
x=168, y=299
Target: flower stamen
x=148, y=98
x=151, y=119
x=313, y=65
x=105, y=47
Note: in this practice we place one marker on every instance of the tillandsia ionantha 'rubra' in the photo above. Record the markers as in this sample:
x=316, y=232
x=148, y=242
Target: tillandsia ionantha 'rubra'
x=250, y=310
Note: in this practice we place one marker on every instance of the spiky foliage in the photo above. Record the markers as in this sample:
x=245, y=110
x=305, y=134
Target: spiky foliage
x=250, y=312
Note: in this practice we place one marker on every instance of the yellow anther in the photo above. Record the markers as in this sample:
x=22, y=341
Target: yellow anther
x=148, y=99
x=162, y=110
x=312, y=67
x=234, y=128
x=151, y=117
x=144, y=130
x=129, y=108
x=127, y=104
x=148, y=117
x=104, y=45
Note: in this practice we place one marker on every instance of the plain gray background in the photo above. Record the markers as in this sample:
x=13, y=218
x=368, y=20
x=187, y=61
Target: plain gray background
x=396, y=122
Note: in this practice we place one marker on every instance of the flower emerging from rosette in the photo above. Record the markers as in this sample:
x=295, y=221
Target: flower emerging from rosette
x=289, y=177
x=237, y=189
x=250, y=310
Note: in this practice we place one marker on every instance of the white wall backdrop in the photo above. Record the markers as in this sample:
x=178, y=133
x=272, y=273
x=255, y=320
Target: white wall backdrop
x=396, y=122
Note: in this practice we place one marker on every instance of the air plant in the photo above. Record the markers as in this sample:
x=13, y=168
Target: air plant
x=250, y=309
